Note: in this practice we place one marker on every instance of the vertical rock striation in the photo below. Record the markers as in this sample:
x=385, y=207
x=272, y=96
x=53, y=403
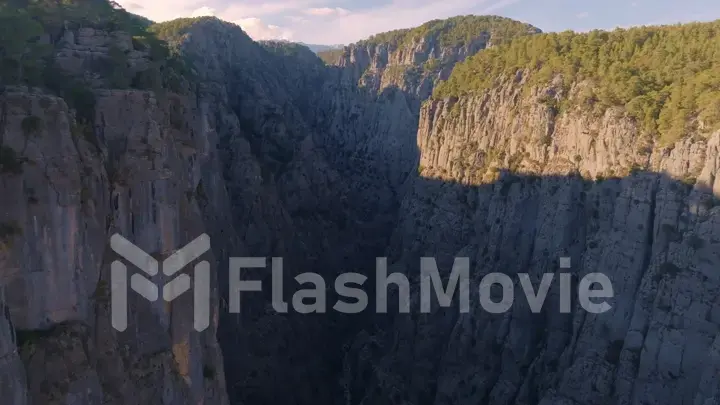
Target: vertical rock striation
x=274, y=154
x=131, y=166
x=514, y=185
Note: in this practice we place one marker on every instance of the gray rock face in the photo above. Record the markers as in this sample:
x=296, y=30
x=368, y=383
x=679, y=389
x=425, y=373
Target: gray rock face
x=274, y=154
x=314, y=166
x=283, y=200
x=414, y=67
x=589, y=188
x=63, y=196
x=88, y=53
x=368, y=114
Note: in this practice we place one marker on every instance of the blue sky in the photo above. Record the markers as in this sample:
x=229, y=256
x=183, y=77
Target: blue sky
x=346, y=21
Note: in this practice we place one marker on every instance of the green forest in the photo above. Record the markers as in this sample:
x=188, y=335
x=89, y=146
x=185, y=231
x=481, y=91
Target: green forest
x=175, y=28
x=25, y=58
x=31, y=29
x=332, y=56
x=666, y=77
x=456, y=31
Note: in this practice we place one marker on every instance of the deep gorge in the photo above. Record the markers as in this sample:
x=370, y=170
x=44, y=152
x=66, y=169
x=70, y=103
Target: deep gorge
x=273, y=153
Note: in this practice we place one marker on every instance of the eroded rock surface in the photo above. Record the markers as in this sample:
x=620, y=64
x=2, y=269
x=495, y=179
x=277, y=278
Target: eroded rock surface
x=514, y=186
x=273, y=154
x=67, y=195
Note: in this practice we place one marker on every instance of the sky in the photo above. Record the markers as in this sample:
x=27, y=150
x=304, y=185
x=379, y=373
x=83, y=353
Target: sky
x=346, y=21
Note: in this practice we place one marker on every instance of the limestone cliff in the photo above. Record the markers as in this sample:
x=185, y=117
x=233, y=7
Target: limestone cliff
x=514, y=184
x=124, y=161
x=415, y=60
x=368, y=115
x=273, y=153
x=313, y=163
x=284, y=201
x=62, y=202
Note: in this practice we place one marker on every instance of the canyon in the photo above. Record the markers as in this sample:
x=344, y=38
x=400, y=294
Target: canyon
x=274, y=153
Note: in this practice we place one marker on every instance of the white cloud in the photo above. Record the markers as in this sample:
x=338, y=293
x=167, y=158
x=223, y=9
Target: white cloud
x=259, y=30
x=164, y=10
x=134, y=6
x=203, y=11
x=263, y=8
x=297, y=19
x=582, y=15
x=327, y=11
x=397, y=14
x=245, y=14
x=161, y=10
x=314, y=21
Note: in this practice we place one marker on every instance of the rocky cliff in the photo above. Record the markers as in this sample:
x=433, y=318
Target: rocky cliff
x=274, y=154
x=64, y=196
x=284, y=201
x=76, y=170
x=368, y=114
x=415, y=60
x=315, y=165
x=514, y=183
x=254, y=147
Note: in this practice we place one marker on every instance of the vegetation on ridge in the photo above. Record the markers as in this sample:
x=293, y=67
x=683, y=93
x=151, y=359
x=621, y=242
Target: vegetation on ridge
x=456, y=31
x=24, y=56
x=667, y=78
x=176, y=27
x=29, y=30
x=32, y=30
x=290, y=49
x=331, y=56
x=174, y=32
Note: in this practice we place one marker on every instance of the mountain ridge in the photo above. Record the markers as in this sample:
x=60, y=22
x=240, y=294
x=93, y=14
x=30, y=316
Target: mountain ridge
x=191, y=127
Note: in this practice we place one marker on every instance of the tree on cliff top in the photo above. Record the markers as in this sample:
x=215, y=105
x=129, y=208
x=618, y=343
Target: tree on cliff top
x=27, y=59
x=456, y=31
x=667, y=77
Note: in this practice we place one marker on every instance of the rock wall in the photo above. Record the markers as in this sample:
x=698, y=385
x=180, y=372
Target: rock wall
x=284, y=200
x=66, y=194
x=368, y=115
x=315, y=165
x=514, y=184
x=86, y=52
x=273, y=154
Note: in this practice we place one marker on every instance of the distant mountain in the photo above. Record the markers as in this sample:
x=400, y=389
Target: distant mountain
x=312, y=47
x=475, y=137
x=322, y=48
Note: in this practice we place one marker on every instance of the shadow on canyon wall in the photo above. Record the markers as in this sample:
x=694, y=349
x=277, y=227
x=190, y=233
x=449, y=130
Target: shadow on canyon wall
x=645, y=231
x=652, y=235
